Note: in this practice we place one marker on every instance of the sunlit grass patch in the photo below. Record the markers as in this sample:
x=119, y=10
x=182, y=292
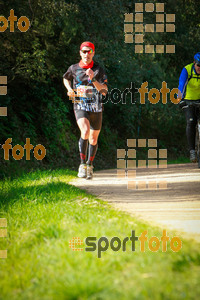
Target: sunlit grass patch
x=44, y=212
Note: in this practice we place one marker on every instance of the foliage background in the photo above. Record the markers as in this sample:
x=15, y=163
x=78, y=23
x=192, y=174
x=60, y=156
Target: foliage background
x=35, y=61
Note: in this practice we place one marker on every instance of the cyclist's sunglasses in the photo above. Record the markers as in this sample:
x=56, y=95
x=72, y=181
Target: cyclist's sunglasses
x=198, y=65
x=87, y=51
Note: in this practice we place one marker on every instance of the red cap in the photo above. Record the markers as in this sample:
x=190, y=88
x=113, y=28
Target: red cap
x=87, y=44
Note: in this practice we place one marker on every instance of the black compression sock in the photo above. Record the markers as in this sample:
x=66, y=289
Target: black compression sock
x=83, y=144
x=92, y=152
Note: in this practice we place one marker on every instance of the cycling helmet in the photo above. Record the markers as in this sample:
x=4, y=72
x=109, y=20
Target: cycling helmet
x=197, y=58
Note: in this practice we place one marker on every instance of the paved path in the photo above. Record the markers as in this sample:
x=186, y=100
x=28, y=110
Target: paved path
x=177, y=207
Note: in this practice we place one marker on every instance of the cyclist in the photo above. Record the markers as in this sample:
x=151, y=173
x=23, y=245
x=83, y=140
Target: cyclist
x=87, y=76
x=189, y=87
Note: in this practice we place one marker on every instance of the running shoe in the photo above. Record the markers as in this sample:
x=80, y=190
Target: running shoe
x=82, y=171
x=193, y=157
x=89, y=172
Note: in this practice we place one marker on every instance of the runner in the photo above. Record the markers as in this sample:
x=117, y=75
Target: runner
x=189, y=86
x=89, y=82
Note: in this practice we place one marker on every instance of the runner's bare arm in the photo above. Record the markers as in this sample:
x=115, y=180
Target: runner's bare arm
x=67, y=84
x=102, y=88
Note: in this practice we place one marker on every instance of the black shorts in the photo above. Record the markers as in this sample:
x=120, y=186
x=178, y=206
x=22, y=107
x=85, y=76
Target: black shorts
x=95, y=118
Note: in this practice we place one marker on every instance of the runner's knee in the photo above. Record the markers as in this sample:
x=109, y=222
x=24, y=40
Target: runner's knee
x=85, y=132
x=93, y=141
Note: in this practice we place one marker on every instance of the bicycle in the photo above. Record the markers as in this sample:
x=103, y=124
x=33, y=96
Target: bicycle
x=184, y=104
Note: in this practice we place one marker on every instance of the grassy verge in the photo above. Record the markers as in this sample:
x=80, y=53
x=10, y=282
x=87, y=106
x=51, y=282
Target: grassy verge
x=180, y=160
x=44, y=213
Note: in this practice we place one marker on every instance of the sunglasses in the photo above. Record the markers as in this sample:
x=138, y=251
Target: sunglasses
x=87, y=51
x=198, y=65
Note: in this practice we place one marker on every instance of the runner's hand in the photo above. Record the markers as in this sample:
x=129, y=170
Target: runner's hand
x=90, y=73
x=71, y=93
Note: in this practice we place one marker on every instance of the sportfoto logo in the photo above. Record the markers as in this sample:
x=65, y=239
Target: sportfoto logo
x=102, y=244
x=3, y=234
x=140, y=27
x=128, y=163
x=18, y=150
x=23, y=22
x=116, y=96
x=3, y=92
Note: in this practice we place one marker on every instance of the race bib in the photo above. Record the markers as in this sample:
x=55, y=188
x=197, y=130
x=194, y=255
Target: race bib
x=85, y=91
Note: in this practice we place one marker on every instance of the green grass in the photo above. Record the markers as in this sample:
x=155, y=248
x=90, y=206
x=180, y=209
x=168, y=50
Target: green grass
x=44, y=213
x=180, y=160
